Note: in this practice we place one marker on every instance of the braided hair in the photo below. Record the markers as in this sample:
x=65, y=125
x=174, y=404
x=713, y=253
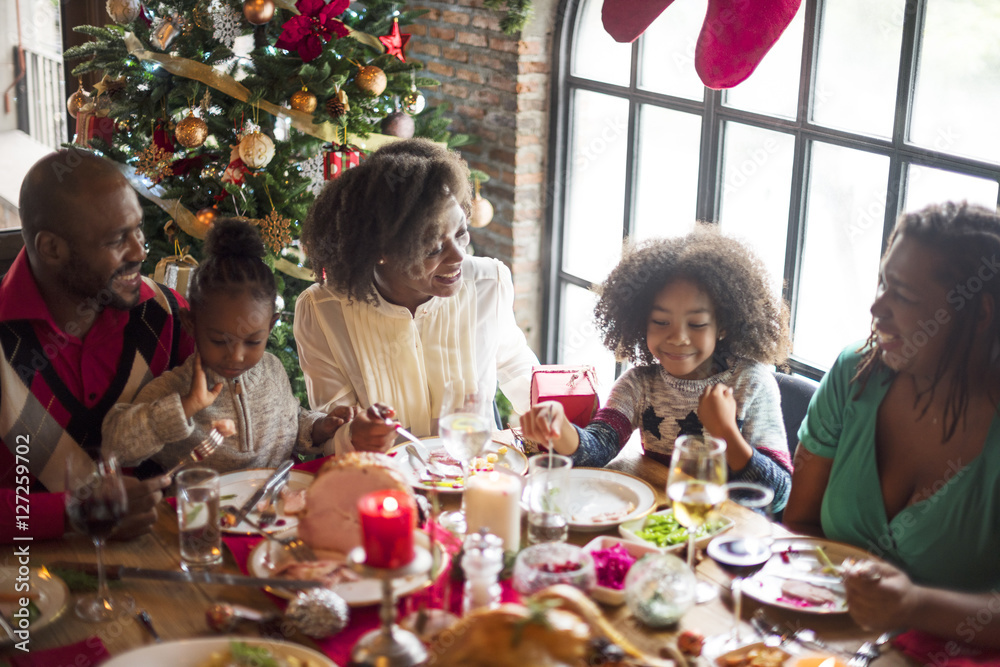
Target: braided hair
x=233, y=264
x=964, y=236
x=754, y=318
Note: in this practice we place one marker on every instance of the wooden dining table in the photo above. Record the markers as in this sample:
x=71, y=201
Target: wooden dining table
x=178, y=609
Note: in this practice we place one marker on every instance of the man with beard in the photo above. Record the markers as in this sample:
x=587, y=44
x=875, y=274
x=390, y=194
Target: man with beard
x=80, y=330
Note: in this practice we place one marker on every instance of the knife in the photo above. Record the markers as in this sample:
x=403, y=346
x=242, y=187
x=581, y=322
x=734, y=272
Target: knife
x=275, y=479
x=193, y=577
x=832, y=583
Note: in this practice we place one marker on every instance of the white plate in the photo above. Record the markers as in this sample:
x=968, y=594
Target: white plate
x=615, y=596
x=598, y=498
x=802, y=561
x=195, y=652
x=49, y=593
x=242, y=484
x=630, y=529
x=513, y=459
x=356, y=593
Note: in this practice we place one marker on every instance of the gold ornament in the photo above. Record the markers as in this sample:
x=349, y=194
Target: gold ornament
x=274, y=229
x=256, y=150
x=154, y=163
x=207, y=216
x=482, y=212
x=258, y=12
x=414, y=102
x=77, y=100
x=123, y=11
x=371, y=80
x=191, y=132
x=337, y=105
x=303, y=100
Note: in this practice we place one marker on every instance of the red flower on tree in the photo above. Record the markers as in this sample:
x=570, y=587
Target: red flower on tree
x=308, y=32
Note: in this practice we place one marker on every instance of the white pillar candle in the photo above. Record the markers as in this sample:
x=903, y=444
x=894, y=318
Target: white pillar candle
x=493, y=502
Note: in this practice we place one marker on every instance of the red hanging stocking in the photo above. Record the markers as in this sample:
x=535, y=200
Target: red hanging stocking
x=625, y=20
x=735, y=37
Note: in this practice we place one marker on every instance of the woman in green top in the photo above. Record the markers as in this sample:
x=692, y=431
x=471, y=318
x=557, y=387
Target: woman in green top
x=900, y=450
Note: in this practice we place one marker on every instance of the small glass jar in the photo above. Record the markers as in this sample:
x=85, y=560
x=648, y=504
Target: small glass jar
x=659, y=589
x=482, y=561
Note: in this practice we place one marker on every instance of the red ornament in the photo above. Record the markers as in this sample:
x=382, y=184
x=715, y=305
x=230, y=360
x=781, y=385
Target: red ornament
x=310, y=30
x=89, y=126
x=235, y=173
x=387, y=523
x=339, y=159
x=395, y=42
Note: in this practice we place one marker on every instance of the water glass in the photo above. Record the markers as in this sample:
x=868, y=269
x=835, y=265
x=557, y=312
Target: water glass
x=548, y=511
x=198, y=518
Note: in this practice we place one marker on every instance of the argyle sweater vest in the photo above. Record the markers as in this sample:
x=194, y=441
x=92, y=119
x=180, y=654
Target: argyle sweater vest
x=39, y=409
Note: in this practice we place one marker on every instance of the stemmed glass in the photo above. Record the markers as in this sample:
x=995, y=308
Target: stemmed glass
x=741, y=556
x=465, y=429
x=696, y=486
x=96, y=503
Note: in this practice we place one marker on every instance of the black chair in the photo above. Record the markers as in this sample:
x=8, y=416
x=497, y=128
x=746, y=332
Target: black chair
x=796, y=390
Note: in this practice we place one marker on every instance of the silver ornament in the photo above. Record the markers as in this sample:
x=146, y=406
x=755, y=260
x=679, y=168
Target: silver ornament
x=318, y=612
x=414, y=102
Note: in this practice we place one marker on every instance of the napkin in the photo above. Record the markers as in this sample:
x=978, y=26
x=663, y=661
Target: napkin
x=928, y=649
x=90, y=651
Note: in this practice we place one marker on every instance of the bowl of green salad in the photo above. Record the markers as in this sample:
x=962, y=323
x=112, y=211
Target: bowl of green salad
x=662, y=530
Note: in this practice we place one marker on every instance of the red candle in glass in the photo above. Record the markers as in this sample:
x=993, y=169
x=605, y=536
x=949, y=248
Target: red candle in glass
x=387, y=523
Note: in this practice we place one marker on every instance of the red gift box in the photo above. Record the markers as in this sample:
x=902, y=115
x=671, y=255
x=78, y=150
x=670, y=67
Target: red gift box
x=89, y=126
x=340, y=158
x=573, y=386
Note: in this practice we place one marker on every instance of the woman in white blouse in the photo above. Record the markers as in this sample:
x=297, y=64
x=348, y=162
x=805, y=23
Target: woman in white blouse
x=401, y=311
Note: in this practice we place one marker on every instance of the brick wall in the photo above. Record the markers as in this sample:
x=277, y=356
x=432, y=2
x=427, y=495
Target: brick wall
x=497, y=87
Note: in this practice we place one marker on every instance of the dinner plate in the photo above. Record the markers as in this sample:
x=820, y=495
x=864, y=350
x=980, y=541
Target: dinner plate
x=356, y=593
x=598, y=498
x=49, y=593
x=797, y=559
x=630, y=531
x=235, y=488
x=513, y=459
x=196, y=652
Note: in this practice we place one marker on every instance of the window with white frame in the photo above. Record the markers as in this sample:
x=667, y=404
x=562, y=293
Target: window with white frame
x=860, y=111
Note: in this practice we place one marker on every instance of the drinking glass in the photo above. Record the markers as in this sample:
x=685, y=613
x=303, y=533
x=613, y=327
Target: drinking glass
x=198, y=518
x=696, y=486
x=548, y=481
x=741, y=556
x=465, y=429
x=96, y=503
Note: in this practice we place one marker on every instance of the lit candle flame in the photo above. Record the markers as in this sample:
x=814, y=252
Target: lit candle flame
x=390, y=504
x=494, y=476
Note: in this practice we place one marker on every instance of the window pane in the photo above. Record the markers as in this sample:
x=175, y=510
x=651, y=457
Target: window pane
x=666, y=51
x=756, y=190
x=858, y=65
x=595, y=55
x=958, y=79
x=773, y=88
x=925, y=185
x=843, y=242
x=579, y=339
x=595, y=202
x=667, y=175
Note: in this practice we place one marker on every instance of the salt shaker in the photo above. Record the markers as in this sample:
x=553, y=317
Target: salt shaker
x=482, y=562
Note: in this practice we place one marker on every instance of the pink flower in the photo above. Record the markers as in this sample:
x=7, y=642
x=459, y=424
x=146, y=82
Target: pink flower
x=309, y=31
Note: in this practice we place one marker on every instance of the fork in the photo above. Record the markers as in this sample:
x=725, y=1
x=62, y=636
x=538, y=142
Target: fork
x=294, y=545
x=202, y=451
x=270, y=513
x=870, y=650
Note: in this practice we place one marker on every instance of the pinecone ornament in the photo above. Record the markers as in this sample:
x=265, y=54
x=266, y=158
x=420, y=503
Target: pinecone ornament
x=337, y=105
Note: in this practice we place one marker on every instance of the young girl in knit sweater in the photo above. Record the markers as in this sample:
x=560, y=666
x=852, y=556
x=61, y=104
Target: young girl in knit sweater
x=230, y=382
x=697, y=317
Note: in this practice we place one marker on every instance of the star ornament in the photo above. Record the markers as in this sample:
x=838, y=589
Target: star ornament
x=395, y=42
x=313, y=27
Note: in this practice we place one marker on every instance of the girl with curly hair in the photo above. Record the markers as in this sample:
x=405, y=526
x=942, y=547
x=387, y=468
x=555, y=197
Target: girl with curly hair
x=401, y=311
x=698, y=318
x=230, y=382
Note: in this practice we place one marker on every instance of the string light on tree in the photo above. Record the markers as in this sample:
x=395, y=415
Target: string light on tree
x=206, y=216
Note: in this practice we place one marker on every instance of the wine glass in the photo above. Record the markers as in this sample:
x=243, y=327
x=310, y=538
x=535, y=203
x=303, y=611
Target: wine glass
x=95, y=504
x=741, y=556
x=696, y=486
x=465, y=429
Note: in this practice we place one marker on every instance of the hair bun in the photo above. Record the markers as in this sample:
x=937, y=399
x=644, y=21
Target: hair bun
x=232, y=237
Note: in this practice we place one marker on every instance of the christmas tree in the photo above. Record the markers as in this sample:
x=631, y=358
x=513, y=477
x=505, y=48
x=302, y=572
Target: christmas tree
x=217, y=109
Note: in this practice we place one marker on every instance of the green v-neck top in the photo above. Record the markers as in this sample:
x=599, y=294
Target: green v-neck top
x=950, y=539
